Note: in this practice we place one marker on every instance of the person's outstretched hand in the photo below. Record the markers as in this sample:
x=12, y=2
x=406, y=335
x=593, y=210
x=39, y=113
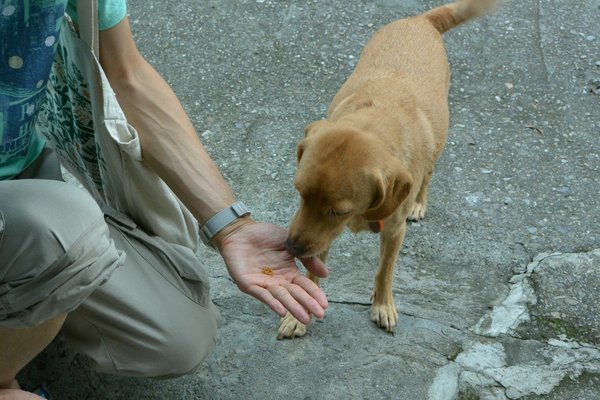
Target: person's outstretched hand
x=247, y=247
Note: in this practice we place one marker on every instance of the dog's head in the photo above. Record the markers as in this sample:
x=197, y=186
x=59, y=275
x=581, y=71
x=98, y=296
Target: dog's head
x=342, y=173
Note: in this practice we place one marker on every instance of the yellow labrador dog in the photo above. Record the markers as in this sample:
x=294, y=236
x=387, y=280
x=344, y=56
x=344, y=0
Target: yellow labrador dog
x=368, y=165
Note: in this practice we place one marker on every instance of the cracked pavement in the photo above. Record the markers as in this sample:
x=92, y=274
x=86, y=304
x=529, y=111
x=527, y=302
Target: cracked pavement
x=498, y=288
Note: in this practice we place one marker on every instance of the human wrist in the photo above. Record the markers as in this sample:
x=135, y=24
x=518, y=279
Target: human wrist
x=223, y=222
x=221, y=239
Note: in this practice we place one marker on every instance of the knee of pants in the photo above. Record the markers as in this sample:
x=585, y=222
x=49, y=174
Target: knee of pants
x=54, y=248
x=172, y=346
x=186, y=349
x=49, y=216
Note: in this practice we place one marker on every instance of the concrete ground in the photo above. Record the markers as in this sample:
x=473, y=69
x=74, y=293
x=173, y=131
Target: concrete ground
x=498, y=288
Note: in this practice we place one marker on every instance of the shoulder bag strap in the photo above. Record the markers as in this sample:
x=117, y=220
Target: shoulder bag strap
x=87, y=11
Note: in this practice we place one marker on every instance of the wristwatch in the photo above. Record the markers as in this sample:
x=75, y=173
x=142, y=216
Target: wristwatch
x=220, y=220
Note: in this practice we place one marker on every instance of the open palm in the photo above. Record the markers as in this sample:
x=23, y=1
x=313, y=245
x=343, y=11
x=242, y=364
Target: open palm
x=254, y=246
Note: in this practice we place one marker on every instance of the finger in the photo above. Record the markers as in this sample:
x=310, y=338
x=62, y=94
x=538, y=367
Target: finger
x=307, y=301
x=304, y=290
x=313, y=291
x=316, y=266
x=266, y=297
x=293, y=306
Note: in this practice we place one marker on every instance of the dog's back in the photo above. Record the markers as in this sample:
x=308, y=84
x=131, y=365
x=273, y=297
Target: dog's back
x=412, y=47
x=411, y=52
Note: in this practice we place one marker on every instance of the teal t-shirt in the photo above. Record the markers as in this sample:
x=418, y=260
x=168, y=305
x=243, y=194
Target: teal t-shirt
x=29, y=30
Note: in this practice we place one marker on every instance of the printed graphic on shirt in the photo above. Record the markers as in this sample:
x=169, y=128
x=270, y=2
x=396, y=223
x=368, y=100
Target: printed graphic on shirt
x=29, y=30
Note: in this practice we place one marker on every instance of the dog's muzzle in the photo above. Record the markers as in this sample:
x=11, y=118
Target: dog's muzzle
x=295, y=250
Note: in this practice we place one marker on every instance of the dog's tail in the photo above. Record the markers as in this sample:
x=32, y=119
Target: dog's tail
x=448, y=16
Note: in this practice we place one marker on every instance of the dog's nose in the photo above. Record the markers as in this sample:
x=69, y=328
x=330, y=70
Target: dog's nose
x=297, y=251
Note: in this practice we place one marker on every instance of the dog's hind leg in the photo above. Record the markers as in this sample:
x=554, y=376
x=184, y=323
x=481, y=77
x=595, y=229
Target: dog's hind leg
x=383, y=309
x=290, y=327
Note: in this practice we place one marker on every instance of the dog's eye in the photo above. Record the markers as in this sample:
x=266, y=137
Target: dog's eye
x=336, y=214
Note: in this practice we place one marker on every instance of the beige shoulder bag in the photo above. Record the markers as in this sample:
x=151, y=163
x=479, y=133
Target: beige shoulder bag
x=97, y=145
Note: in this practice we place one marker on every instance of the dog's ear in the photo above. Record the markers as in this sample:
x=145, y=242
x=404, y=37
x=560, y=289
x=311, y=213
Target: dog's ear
x=390, y=192
x=310, y=130
x=313, y=127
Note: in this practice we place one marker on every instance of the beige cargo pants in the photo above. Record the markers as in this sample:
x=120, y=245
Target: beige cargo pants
x=137, y=305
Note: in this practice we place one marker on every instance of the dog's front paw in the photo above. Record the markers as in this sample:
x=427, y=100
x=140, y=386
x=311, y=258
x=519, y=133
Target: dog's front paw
x=385, y=316
x=290, y=327
x=418, y=211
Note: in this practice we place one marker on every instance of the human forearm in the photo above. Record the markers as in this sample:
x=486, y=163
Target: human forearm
x=170, y=145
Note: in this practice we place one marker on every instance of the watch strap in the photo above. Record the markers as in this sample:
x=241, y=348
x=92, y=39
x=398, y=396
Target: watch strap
x=220, y=220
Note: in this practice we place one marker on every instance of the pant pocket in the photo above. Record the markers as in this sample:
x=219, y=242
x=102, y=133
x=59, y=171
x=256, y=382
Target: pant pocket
x=178, y=264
